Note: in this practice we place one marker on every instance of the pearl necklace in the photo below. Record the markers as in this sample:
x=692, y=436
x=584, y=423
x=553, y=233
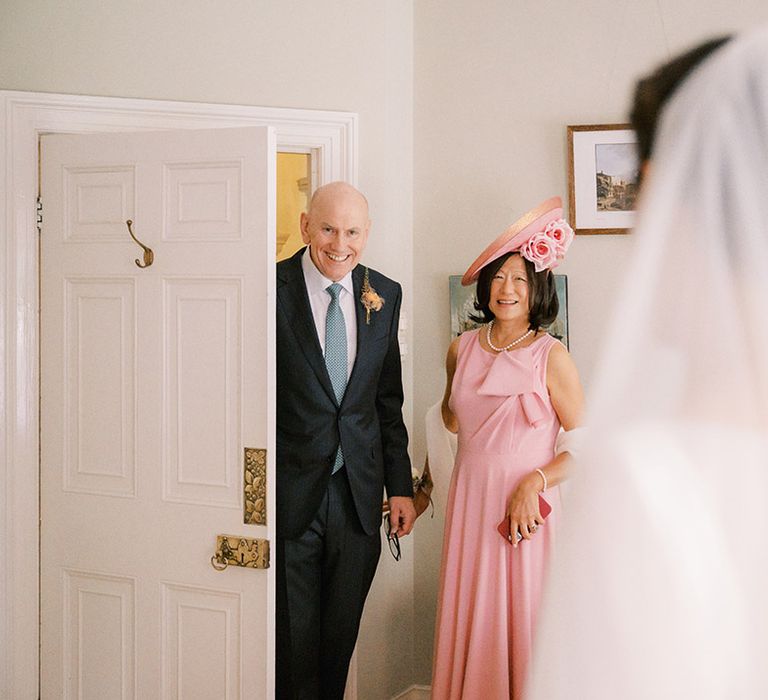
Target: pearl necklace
x=506, y=347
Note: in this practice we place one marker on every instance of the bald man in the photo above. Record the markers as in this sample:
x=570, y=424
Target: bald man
x=341, y=441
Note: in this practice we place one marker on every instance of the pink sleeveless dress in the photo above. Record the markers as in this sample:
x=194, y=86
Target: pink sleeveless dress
x=489, y=591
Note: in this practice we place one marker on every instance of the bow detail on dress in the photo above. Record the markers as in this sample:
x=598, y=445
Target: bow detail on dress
x=512, y=374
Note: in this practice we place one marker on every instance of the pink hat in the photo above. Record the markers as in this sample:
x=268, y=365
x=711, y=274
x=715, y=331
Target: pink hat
x=541, y=236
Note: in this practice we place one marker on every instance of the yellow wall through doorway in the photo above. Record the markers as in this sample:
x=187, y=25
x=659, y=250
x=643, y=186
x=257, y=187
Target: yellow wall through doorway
x=293, y=186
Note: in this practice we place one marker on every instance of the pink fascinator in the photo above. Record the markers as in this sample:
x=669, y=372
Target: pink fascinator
x=540, y=235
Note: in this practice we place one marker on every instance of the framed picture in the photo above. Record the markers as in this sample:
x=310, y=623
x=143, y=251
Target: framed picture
x=463, y=304
x=603, y=171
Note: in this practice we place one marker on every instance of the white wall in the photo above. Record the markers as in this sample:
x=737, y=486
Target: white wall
x=348, y=55
x=496, y=83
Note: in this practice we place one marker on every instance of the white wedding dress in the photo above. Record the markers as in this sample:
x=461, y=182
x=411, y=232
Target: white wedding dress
x=659, y=588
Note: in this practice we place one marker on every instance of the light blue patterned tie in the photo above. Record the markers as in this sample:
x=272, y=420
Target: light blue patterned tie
x=336, y=353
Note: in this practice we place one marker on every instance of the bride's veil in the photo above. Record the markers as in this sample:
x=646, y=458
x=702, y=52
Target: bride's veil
x=659, y=588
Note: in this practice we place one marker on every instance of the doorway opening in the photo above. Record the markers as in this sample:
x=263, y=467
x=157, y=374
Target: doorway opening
x=331, y=138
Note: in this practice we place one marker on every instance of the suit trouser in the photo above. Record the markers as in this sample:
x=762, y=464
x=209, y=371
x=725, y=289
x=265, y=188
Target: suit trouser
x=323, y=578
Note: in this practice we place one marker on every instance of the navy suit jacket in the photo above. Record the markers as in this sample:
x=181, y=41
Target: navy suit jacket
x=310, y=422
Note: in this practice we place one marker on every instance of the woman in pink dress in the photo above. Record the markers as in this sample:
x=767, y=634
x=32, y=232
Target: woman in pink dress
x=511, y=387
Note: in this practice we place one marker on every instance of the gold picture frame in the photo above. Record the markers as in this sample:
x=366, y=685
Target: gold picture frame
x=603, y=178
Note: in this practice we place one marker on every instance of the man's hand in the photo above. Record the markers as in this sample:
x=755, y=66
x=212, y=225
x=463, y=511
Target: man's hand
x=402, y=515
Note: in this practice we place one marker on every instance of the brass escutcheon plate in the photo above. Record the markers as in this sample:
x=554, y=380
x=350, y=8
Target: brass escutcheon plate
x=255, y=487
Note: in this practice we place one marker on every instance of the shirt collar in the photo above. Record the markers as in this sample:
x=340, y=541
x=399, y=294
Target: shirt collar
x=316, y=282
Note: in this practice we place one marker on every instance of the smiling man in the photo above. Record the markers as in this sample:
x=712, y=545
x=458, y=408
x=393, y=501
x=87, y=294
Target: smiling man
x=341, y=441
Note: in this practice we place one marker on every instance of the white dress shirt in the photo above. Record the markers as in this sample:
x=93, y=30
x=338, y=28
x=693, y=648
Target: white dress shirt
x=320, y=300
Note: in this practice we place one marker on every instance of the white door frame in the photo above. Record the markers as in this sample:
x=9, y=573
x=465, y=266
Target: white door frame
x=23, y=117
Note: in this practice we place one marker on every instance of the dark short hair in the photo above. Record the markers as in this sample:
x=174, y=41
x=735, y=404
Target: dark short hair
x=653, y=92
x=542, y=295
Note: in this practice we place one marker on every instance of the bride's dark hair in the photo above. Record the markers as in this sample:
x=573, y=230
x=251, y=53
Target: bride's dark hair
x=653, y=92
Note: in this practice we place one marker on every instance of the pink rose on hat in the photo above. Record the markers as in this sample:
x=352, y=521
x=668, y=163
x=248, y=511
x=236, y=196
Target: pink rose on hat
x=541, y=236
x=542, y=250
x=561, y=233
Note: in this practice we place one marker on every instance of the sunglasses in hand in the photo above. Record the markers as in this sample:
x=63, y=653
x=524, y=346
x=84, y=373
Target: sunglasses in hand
x=392, y=539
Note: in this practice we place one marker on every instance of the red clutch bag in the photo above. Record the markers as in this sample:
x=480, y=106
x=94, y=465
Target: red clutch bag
x=544, y=508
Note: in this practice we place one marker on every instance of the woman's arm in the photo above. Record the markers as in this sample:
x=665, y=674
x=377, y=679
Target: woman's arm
x=567, y=399
x=449, y=418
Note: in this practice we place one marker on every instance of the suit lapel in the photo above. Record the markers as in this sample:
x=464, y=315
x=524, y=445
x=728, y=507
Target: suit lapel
x=295, y=304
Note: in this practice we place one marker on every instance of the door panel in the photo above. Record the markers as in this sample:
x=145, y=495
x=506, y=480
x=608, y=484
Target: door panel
x=201, y=439
x=99, y=380
x=154, y=381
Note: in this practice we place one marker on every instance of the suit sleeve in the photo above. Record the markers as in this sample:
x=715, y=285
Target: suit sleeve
x=389, y=405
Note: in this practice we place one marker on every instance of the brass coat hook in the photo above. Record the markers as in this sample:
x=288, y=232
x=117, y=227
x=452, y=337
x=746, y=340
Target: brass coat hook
x=149, y=256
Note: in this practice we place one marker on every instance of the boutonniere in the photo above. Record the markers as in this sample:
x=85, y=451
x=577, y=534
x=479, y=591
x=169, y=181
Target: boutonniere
x=370, y=298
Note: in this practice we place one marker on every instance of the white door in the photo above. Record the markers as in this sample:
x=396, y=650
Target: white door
x=154, y=380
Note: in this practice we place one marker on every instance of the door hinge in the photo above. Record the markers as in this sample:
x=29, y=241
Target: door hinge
x=39, y=215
